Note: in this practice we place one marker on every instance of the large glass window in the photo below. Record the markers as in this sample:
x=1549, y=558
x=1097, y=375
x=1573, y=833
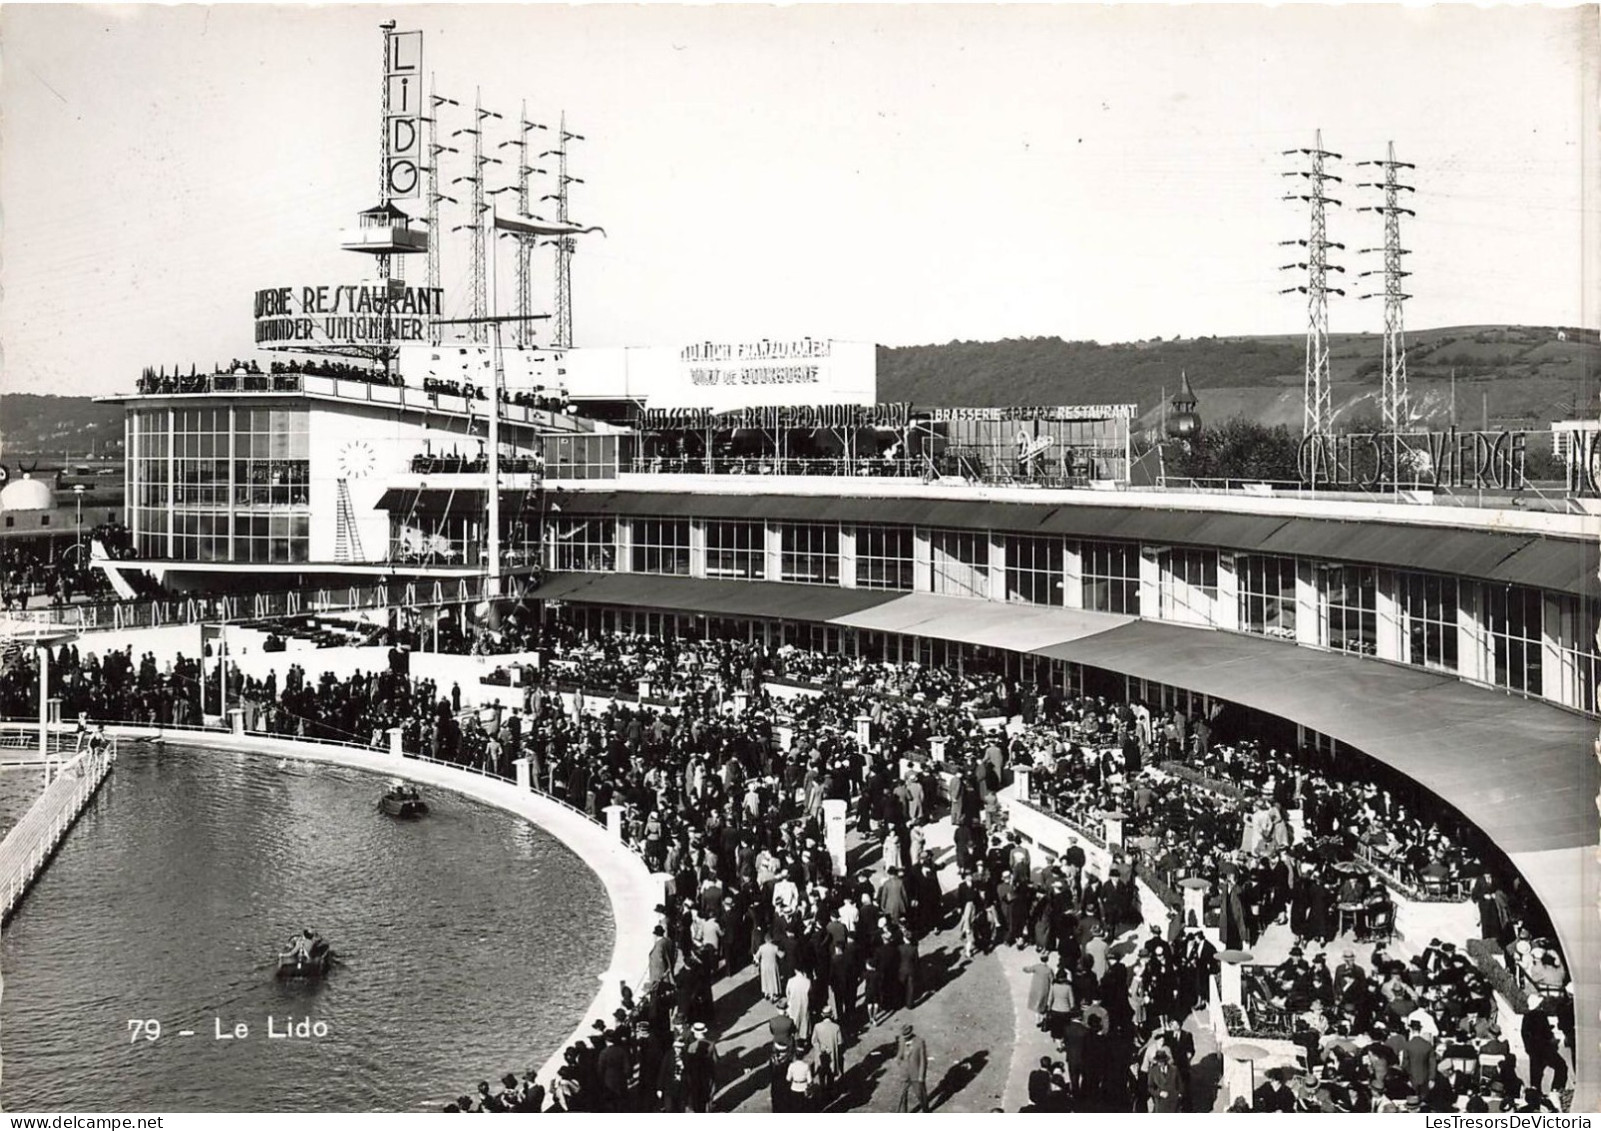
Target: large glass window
x=1514, y=617
x=1350, y=593
x=198, y=472
x=270, y=537
x=1428, y=619
x=809, y=552
x=271, y=458
x=583, y=544
x=200, y=457
x=961, y=562
x=884, y=557
x=737, y=549
x=1267, y=595
x=581, y=456
x=1034, y=570
x=1189, y=585
x=661, y=545
x=1112, y=577
x=149, y=486
x=1576, y=652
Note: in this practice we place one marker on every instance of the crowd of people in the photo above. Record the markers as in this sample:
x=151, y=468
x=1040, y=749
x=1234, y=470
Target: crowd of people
x=547, y=400
x=283, y=375
x=729, y=804
x=57, y=576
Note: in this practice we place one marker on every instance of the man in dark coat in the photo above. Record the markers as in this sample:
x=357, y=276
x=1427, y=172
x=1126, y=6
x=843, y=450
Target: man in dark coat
x=1541, y=1046
x=892, y=897
x=612, y=1071
x=1075, y=1037
x=700, y=1068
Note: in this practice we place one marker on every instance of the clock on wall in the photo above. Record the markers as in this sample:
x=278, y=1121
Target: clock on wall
x=356, y=459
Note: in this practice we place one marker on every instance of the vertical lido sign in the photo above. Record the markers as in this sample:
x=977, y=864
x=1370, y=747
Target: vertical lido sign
x=1449, y=459
x=403, y=95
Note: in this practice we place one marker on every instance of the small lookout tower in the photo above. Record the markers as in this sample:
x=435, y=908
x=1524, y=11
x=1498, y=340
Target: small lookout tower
x=384, y=230
x=1184, y=423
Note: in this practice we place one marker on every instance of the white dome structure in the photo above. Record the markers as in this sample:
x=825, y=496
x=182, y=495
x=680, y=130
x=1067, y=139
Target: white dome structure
x=26, y=495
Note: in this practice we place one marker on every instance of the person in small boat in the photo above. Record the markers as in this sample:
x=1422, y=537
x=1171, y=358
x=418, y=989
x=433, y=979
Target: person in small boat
x=301, y=945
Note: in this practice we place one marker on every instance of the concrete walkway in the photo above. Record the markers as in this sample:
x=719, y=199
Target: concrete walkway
x=963, y=1013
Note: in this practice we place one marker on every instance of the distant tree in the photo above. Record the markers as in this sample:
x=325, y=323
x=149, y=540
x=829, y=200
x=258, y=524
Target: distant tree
x=1237, y=448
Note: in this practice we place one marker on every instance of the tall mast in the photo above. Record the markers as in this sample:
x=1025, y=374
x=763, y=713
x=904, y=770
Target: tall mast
x=435, y=102
x=476, y=226
x=525, y=245
x=388, y=27
x=562, y=336
x=497, y=368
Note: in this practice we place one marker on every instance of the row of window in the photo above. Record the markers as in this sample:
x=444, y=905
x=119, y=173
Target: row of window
x=220, y=537
x=1346, y=597
x=202, y=461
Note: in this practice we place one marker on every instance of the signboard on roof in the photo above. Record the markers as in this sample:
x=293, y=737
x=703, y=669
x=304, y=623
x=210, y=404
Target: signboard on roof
x=403, y=97
x=728, y=376
x=475, y=365
x=344, y=315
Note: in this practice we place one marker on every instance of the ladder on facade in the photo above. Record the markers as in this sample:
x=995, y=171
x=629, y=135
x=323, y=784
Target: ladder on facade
x=347, y=540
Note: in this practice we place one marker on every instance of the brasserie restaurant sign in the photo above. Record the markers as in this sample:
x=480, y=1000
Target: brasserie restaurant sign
x=345, y=315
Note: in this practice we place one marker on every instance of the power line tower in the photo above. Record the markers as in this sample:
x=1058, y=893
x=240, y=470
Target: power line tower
x=1393, y=399
x=562, y=333
x=1319, y=413
x=435, y=102
x=525, y=244
x=480, y=266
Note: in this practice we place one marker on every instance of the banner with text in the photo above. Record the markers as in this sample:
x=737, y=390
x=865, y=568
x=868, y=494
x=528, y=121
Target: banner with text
x=345, y=315
x=523, y=370
x=728, y=376
x=774, y=418
x=403, y=97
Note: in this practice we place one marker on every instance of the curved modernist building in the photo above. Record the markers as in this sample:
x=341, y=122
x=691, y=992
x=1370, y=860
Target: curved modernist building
x=1455, y=643
x=1451, y=638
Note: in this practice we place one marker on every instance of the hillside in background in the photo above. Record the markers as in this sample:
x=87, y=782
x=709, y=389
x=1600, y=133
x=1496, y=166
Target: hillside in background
x=58, y=426
x=1525, y=376
x=1514, y=376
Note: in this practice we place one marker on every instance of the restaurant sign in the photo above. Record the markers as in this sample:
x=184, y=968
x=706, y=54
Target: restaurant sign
x=1056, y=413
x=779, y=417
x=343, y=315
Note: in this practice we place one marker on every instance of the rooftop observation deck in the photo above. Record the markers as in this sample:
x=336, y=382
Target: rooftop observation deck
x=1526, y=514
x=350, y=391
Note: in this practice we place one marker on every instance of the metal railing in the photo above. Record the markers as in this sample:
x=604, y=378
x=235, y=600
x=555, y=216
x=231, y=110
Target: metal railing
x=30, y=844
x=21, y=729
x=441, y=398
x=422, y=464
x=764, y=465
x=110, y=615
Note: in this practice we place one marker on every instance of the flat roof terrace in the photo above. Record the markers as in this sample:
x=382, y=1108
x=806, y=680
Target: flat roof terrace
x=343, y=391
x=1547, y=550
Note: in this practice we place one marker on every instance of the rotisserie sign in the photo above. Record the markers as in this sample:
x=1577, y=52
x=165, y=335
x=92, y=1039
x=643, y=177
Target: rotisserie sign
x=345, y=315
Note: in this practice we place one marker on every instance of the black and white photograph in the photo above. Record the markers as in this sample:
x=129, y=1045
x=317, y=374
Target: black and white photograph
x=849, y=558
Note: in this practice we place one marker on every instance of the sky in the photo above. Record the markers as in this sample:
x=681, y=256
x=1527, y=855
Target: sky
x=900, y=174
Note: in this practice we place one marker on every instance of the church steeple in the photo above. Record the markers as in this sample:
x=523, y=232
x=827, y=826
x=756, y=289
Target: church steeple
x=1184, y=423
